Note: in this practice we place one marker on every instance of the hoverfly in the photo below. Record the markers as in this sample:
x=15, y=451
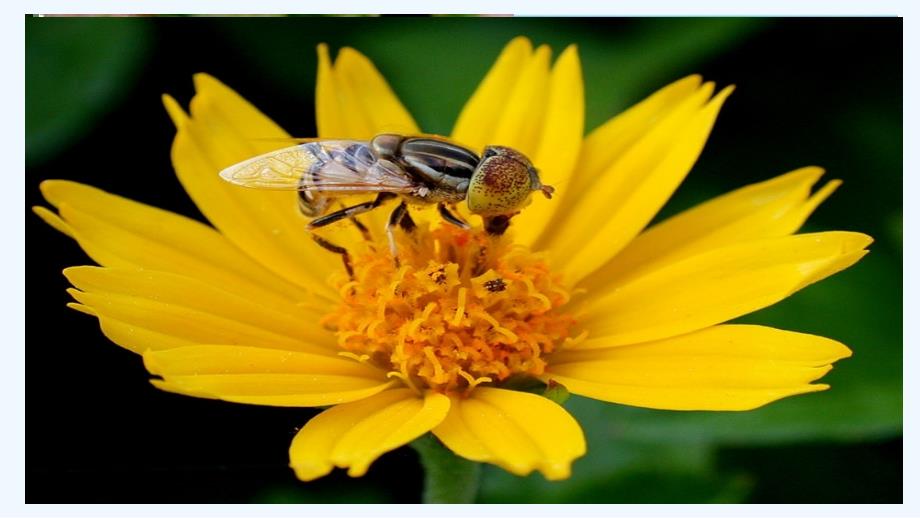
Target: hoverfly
x=418, y=169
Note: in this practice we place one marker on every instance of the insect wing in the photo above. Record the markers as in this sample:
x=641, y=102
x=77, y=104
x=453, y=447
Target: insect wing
x=346, y=166
x=280, y=169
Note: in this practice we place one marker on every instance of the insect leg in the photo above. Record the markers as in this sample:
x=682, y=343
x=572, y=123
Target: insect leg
x=452, y=218
x=407, y=223
x=362, y=228
x=396, y=217
x=336, y=249
x=350, y=212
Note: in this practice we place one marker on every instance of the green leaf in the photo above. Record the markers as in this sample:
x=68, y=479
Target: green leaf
x=77, y=69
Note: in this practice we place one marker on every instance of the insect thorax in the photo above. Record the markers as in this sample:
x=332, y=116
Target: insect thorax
x=443, y=167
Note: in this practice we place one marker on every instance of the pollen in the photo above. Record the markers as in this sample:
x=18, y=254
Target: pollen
x=458, y=309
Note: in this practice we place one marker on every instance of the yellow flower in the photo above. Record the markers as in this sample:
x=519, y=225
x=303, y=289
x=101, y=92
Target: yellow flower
x=578, y=293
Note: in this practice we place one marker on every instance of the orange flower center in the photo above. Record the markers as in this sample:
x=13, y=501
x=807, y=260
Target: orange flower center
x=462, y=308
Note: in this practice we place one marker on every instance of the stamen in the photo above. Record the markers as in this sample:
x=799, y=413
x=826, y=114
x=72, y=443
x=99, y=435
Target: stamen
x=347, y=288
x=462, y=308
x=345, y=335
x=473, y=381
x=531, y=291
x=362, y=358
x=568, y=343
x=439, y=374
x=413, y=327
x=406, y=379
x=497, y=327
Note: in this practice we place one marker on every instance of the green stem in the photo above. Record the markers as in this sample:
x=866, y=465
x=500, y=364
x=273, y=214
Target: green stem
x=449, y=479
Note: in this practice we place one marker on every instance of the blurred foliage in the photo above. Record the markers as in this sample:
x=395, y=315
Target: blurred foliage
x=355, y=492
x=79, y=68
x=623, y=471
x=648, y=51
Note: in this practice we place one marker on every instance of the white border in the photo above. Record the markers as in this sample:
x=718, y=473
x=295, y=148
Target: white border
x=12, y=462
x=497, y=7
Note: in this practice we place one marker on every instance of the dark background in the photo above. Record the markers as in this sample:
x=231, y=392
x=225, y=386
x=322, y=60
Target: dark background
x=810, y=91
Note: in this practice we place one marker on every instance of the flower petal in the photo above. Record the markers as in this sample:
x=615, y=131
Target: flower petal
x=353, y=435
x=281, y=324
x=142, y=310
x=716, y=286
x=261, y=376
x=224, y=129
x=776, y=207
x=119, y=232
x=182, y=325
x=482, y=112
x=128, y=334
x=518, y=431
x=727, y=367
x=359, y=98
x=331, y=119
x=609, y=141
x=559, y=142
x=521, y=120
x=626, y=195
x=53, y=220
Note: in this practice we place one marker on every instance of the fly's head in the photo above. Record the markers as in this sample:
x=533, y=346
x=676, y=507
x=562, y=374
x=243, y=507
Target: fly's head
x=502, y=183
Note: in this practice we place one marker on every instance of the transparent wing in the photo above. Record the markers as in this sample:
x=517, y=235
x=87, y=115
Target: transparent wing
x=346, y=166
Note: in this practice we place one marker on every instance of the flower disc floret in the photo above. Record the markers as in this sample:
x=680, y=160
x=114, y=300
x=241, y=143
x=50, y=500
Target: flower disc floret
x=459, y=308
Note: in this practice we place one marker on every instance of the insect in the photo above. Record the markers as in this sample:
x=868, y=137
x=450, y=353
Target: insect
x=418, y=169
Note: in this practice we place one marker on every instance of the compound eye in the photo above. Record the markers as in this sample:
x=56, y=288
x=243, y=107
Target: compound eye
x=500, y=185
x=489, y=152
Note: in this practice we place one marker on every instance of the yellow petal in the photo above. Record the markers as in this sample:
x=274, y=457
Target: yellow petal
x=228, y=359
x=331, y=119
x=728, y=367
x=263, y=376
x=627, y=195
x=367, y=91
x=128, y=334
x=559, y=143
x=776, y=207
x=518, y=431
x=521, y=120
x=716, y=286
x=118, y=232
x=609, y=141
x=53, y=220
x=175, y=111
x=224, y=129
x=353, y=435
x=354, y=101
x=296, y=322
x=138, y=323
x=482, y=112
